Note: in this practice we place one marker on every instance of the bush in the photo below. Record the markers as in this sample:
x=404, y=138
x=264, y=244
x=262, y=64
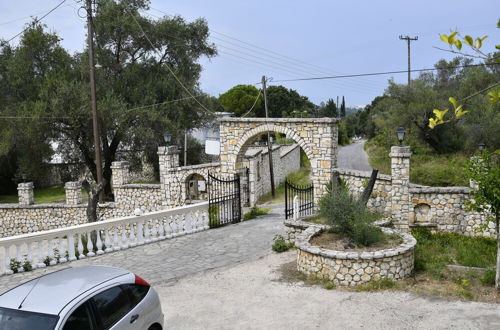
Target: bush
x=280, y=245
x=213, y=217
x=488, y=277
x=255, y=212
x=346, y=216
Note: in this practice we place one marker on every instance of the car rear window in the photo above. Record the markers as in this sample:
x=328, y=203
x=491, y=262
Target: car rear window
x=11, y=319
x=136, y=292
x=112, y=305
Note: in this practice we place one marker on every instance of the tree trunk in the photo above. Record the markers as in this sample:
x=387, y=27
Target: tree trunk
x=369, y=188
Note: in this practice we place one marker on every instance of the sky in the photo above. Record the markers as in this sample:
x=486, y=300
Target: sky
x=288, y=39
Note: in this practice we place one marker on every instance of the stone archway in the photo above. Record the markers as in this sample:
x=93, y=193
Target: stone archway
x=316, y=136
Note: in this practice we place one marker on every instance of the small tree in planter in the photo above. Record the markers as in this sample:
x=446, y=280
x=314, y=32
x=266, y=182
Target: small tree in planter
x=484, y=171
x=350, y=217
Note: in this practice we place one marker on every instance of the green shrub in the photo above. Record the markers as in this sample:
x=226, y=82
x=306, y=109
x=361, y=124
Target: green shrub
x=213, y=216
x=255, y=212
x=346, y=216
x=488, y=277
x=14, y=265
x=280, y=245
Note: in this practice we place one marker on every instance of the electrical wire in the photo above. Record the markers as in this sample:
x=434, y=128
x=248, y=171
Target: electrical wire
x=166, y=65
x=36, y=21
x=382, y=73
x=254, y=103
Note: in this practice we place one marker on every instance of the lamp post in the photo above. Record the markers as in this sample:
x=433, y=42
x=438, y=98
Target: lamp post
x=400, y=132
x=167, y=136
x=481, y=146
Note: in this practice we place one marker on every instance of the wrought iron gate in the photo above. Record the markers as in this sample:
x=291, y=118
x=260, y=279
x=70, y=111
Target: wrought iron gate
x=305, y=200
x=224, y=201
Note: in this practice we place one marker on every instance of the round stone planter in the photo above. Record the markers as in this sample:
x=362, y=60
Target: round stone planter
x=353, y=268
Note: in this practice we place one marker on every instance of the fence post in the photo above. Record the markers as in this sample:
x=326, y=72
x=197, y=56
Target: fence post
x=296, y=208
x=400, y=195
x=25, y=193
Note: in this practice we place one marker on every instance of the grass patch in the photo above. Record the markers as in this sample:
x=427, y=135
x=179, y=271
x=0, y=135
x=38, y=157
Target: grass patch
x=382, y=284
x=300, y=177
x=54, y=194
x=255, y=212
x=427, y=168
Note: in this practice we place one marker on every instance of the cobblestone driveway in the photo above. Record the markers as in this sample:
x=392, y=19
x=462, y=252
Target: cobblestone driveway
x=174, y=258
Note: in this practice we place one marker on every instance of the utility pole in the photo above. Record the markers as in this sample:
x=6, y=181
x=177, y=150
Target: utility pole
x=269, y=148
x=408, y=40
x=185, y=147
x=93, y=103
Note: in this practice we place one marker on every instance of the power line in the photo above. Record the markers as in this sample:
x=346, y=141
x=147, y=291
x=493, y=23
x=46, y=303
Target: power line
x=37, y=20
x=168, y=66
x=383, y=73
x=254, y=103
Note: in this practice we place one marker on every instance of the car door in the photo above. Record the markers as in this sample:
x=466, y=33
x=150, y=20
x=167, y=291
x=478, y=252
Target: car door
x=115, y=310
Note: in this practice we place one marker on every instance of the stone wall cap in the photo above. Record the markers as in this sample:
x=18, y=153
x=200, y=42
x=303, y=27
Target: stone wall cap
x=73, y=185
x=361, y=174
x=279, y=120
x=140, y=186
x=168, y=150
x=438, y=190
x=25, y=185
x=120, y=164
x=193, y=167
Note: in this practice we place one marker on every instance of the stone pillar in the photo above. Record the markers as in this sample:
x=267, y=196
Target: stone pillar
x=168, y=158
x=73, y=192
x=25, y=193
x=120, y=173
x=400, y=196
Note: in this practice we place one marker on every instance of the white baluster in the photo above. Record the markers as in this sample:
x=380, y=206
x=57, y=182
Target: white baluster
x=124, y=237
x=80, y=247
x=147, y=238
x=30, y=255
x=154, y=231
x=71, y=247
x=161, y=232
x=188, y=220
x=39, y=254
x=98, y=243
x=174, y=226
x=90, y=245
x=62, y=251
x=168, y=230
x=19, y=258
x=107, y=241
x=50, y=253
x=140, y=238
x=8, y=271
x=131, y=238
x=116, y=243
x=197, y=221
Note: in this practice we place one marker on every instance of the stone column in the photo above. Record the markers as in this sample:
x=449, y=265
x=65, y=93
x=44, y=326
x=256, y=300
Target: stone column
x=400, y=196
x=73, y=192
x=120, y=173
x=25, y=193
x=168, y=158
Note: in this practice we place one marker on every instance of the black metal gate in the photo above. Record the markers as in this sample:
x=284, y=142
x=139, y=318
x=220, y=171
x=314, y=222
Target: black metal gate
x=305, y=199
x=224, y=201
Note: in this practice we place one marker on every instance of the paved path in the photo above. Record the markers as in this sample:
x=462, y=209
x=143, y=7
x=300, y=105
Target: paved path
x=174, y=258
x=354, y=156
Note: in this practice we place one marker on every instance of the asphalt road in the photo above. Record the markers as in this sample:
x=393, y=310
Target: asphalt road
x=354, y=156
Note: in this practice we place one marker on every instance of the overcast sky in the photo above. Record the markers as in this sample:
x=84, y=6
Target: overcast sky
x=286, y=39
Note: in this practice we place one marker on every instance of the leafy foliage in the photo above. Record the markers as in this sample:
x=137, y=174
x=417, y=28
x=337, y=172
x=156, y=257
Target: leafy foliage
x=348, y=217
x=280, y=245
x=240, y=99
x=255, y=212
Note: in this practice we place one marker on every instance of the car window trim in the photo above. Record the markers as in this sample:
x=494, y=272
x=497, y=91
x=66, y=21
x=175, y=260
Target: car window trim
x=97, y=326
x=98, y=313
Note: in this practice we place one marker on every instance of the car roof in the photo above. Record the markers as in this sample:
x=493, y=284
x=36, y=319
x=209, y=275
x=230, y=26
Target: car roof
x=52, y=292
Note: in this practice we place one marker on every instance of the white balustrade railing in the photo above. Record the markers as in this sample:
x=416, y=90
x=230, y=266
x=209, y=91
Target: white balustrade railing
x=45, y=248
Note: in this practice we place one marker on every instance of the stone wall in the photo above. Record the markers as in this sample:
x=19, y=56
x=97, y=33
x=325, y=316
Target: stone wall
x=286, y=159
x=354, y=268
x=356, y=181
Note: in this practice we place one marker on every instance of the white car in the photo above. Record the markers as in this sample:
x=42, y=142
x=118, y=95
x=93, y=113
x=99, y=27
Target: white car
x=88, y=297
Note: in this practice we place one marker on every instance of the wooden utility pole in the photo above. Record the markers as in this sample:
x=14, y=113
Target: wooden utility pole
x=269, y=147
x=93, y=103
x=408, y=40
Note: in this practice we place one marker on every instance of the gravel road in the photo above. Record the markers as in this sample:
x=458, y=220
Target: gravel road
x=250, y=296
x=353, y=156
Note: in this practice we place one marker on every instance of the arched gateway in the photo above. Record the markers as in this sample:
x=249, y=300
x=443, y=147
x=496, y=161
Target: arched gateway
x=316, y=136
